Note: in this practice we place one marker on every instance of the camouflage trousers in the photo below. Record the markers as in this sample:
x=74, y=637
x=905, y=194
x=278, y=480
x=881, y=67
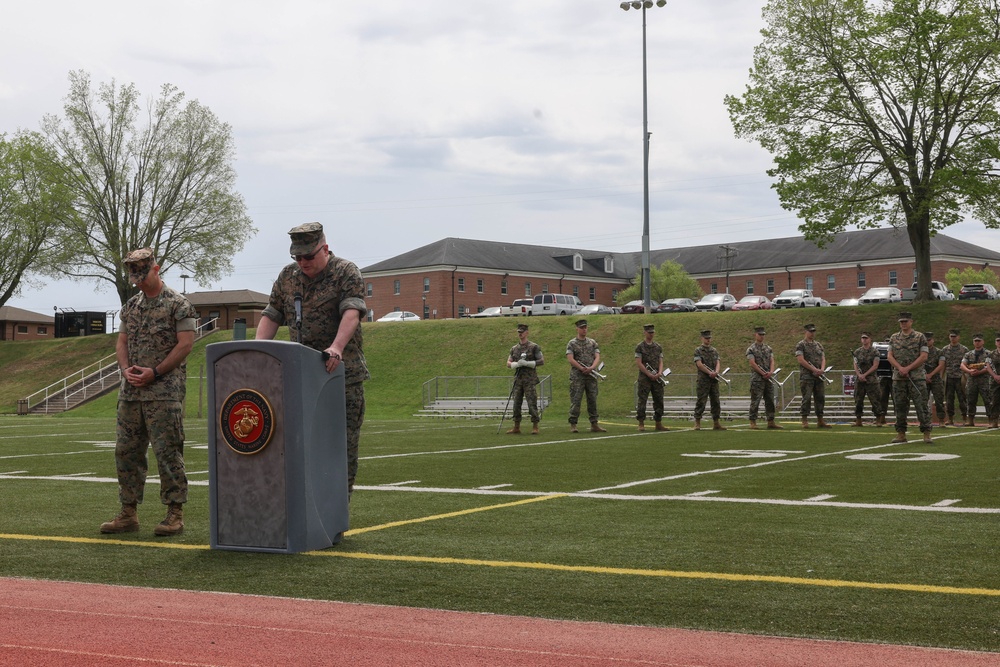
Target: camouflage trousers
x=994, y=400
x=885, y=391
x=761, y=389
x=953, y=388
x=935, y=388
x=578, y=386
x=870, y=389
x=645, y=387
x=708, y=390
x=525, y=388
x=905, y=390
x=813, y=389
x=974, y=388
x=354, y=403
x=141, y=424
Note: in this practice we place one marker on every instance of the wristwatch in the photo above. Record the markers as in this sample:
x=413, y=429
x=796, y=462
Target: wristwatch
x=156, y=374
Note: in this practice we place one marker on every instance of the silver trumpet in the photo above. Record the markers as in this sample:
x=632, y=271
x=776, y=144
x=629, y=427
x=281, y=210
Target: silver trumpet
x=597, y=372
x=659, y=376
x=773, y=381
x=823, y=376
x=722, y=376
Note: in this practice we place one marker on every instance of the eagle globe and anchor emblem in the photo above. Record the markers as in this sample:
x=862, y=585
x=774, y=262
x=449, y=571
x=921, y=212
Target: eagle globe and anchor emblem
x=246, y=421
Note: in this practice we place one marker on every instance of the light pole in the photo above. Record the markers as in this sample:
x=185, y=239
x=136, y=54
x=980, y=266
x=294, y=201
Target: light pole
x=644, y=5
x=185, y=277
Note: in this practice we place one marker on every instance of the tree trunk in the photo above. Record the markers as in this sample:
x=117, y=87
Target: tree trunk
x=919, y=231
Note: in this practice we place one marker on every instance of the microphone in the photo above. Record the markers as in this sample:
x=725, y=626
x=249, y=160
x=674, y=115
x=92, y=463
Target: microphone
x=298, y=310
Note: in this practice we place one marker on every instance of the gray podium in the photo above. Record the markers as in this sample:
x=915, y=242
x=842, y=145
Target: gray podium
x=277, y=448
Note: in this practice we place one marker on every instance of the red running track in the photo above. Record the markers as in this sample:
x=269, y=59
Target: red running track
x=45, y=623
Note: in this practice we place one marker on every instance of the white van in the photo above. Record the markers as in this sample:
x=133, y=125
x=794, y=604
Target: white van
x=555, y=304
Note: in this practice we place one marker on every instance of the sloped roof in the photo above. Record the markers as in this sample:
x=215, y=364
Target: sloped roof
x=866, y=245
x=12, y=314
x=227, y=297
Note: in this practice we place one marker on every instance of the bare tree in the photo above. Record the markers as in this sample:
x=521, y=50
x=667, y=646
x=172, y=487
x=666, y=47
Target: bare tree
x=167, y=183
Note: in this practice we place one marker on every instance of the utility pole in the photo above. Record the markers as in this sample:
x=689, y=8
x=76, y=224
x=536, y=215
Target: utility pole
x=726, y=261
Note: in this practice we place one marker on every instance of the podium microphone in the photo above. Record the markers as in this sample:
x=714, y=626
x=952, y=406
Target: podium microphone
x=298, y=315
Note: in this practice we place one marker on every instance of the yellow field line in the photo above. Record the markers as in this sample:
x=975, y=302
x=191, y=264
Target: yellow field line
x=395, y=524
x=554, y=567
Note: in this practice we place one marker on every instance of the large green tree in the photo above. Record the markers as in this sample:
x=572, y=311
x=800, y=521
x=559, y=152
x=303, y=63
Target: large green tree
x=667, y=281
x=162, y=178
x=879, y=111
x=33, y=205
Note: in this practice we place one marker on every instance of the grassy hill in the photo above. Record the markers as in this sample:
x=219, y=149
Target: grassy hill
x=402, y=357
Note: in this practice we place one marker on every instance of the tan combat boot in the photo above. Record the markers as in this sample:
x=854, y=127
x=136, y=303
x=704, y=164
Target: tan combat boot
x=927, y=437
x=125, y=522
x=857, y=422
x=900, y=436
x=697, y=424
x=173, y=524
x=716, y=426
x=642, y=425
x=880, y=421
x=573, y=428
x=753, y=424
x=661, y=427
x=820, y=423
x=534, y=428
x=805, y=423
x=774, y=425
x=597, y=429
x=516, y=428
x=971, y=422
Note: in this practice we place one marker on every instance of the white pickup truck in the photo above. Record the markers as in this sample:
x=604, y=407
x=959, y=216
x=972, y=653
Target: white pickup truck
x=796, y=298
x=519, y=307
x=938, y=288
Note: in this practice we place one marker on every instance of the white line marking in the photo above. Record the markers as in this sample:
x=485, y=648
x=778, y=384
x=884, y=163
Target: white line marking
x=701, y=493
x=822, y=496
x=495, y=486
x=412, y=481
x=947, y=502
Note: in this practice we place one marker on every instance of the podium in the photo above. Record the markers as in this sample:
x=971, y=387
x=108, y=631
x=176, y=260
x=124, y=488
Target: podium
x=277, y=448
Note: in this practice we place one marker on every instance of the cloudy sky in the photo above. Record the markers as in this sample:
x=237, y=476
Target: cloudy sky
x=396, y=124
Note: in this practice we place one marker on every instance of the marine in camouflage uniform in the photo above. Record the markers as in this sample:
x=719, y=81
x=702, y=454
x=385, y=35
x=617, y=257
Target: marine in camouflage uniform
x=706, y=360
x=761, y=358
x=866, y=360
x=995, y=385
x=333, y=306
x=525, y=357
x=977, y=381
x=649, y=354
x=584, y=355
x=812, y=360
x=954, y=352
x=907, y=354
x=156, y=335
x=934, y=369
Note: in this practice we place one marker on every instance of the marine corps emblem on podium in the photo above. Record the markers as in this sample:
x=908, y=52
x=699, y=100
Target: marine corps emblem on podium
x=246, y=421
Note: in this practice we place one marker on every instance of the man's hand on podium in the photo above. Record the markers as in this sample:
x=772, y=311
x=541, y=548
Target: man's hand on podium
x=331, y=356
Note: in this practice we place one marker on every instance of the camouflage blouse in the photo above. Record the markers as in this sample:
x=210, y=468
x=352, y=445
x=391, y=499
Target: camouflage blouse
x=708, y=355
x=584, y=351
x=762, y=354
x=531, y=352
x=338, y=288
x=650, y=354
x=811, y=351
x=905, y=349
x=151, y=327
x=866, y=358
x=953, y=355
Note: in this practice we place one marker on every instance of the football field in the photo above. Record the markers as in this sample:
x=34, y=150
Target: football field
x=835, y=534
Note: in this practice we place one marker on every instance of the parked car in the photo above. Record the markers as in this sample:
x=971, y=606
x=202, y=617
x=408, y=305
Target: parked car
x=555, y=304
x=978, y=291
x=519, y=307
x=638, y=307
x=938, y=289
x=751, y=302
x=676, y=306
x=399, y=316
x=796, y=298
x=493, y=311
x=716, y=302
x=881, y=295
x=595, y=309
x=851, y=301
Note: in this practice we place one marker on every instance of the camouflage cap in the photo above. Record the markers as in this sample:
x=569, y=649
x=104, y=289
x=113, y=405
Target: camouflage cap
x=905, y=315
x=810, y=327
x=977, y=336
x=521, y=328
x=928, y=335
x=305, y=238
x=866, y=334
x=139, y=262
x=648, y=327
x=953, y=332
x=706, y=333
x=760, y=330
x=998, y=337
x=581, y=323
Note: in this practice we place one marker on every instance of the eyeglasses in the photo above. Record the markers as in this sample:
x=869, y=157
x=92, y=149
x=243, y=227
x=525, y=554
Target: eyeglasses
x=307, y=258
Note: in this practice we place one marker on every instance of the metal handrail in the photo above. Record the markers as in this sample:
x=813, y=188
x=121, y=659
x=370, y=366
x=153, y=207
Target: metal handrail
x=70, y=380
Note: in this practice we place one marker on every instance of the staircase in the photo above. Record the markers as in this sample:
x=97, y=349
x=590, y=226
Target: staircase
x=95, y=380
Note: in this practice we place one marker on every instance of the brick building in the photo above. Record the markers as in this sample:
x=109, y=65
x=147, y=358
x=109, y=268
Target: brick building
x=226, y=306
x=20, y=324
x=454, y=277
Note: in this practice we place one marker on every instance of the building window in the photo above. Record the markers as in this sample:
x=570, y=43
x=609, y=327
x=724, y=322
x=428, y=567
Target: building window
x=892, y=278
x=503, y=287
x=809, y=283
x=715, y=288
x=427, y=284
x=614, y=296
x=593, y=294
x=576, y=291
x=368, y=289
x=609, y=264
x=831, y=281
x=43, y=331
x=749, y=287
x=22, y=328
x=914, y=275
x=861, y=279
x=395, y=287
x=461, y=284
x=527, y=289
x=577, y=262
x=770, y=285
x=427, y=311
x=545, y=288
x=479, y=286
x=461, y=311
x=370, y=317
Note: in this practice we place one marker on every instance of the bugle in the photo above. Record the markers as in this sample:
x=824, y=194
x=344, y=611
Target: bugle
x=773, y=373
x=659, y=376
x=722, y=376
x=597, y=372
x=822, y=376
